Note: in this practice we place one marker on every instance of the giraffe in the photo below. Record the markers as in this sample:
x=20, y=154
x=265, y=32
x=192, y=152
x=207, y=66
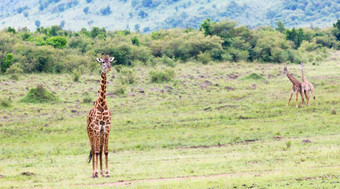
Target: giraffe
x=99, y=123
x=295, y=88
x=306, y=86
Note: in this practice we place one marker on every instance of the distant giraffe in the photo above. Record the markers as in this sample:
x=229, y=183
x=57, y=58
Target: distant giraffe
x=306, y=85
x=296, y=87
x=99, y=123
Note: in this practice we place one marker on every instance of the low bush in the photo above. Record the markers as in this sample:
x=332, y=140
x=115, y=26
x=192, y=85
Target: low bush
x=6, y=103
x=40, y=95
x=127, y=76
x=159, y=76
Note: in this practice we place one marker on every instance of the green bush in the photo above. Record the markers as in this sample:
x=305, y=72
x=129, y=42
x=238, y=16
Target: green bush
x=40, y=95
x=159, y=76
x=253, y=76
x=76, y=73
x=204, y=58
x=6, y=103
x=127, y=76
x=6, y=62
x=57, y=42
x=15, y=69
x=119, y=88
x=168, y=61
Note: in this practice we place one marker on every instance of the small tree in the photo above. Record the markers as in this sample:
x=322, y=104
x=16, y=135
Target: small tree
x=57, y=42
x=206, y=26
x=6, y=62
x=336, y=30
x=135, y=41
x=280, y=27
x=37, y=23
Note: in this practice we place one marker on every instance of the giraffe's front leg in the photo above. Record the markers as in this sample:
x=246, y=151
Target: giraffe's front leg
x=297, y=99
x=291, y=94
x=97, y=148
x=106, y=149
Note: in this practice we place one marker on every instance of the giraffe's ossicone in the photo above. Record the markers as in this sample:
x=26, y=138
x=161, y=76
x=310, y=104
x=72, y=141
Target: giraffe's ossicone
x=99, y=123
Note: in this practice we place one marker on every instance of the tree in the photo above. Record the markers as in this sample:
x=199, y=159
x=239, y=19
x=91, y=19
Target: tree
x=54, y=30
x=135, y=41
x=206, y=26
x=106, y=11
x=86, y=10
x=280, y=27
x=57, y=42
x=6, y=62
x=37, y=23
x=297, y=36
x=336, y=30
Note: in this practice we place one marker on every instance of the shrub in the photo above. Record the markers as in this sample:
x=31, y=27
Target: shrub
x=168, y=61
x=76, y=75
x=14, y=69
x=119, y=88
x=159, y=76
x=6, y=62
x=253, y=76
x=6, y=103
x=204, y=58
x=127, y=76
x=87, y=99
x=57, y=42
x=39, y=95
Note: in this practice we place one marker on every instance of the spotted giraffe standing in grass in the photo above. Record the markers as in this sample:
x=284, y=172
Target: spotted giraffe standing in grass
x=295, y=89
x=99, y=123
x=306, y=85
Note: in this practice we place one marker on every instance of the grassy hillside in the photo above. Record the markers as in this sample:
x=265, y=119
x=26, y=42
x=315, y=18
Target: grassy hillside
x=149, y=15
x=222, y=125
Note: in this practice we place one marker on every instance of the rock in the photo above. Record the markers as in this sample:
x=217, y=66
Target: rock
x=168, y=88
x=109, y=94
x=155, y=89
x=206, y=84
x=73, y=111
x=131, y=94
x=141, y=90
x=232, y=76
x=27, y=173
x=306, y=141
x=229, y=88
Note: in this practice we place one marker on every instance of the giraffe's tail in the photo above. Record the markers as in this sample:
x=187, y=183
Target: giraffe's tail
x=90, y=156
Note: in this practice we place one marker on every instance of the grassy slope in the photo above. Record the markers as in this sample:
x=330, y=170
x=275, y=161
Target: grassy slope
x=246, y=134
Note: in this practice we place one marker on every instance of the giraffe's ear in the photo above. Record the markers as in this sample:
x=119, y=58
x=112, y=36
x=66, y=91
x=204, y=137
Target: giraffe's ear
x=112, y=58
x=100, y=60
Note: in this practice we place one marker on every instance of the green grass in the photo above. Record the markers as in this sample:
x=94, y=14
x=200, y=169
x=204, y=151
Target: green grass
x=190, y=132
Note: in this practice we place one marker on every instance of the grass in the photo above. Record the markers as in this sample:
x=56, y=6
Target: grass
x=190, y=132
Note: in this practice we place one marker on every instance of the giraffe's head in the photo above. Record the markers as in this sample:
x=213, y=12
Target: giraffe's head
x=285, y=69
x=105, y=61
x=302, y=64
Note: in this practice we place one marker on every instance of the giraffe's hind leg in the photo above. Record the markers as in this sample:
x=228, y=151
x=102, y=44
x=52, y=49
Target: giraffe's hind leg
x=297, y=99
x=106, y=149
x=312, y=90
x=101, y=154
x=307, y=96
x=302, y=98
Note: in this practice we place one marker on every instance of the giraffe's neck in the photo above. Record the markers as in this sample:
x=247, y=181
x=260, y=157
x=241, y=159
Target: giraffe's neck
x=303, y=75
x=101, y=101
x=292, y=79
